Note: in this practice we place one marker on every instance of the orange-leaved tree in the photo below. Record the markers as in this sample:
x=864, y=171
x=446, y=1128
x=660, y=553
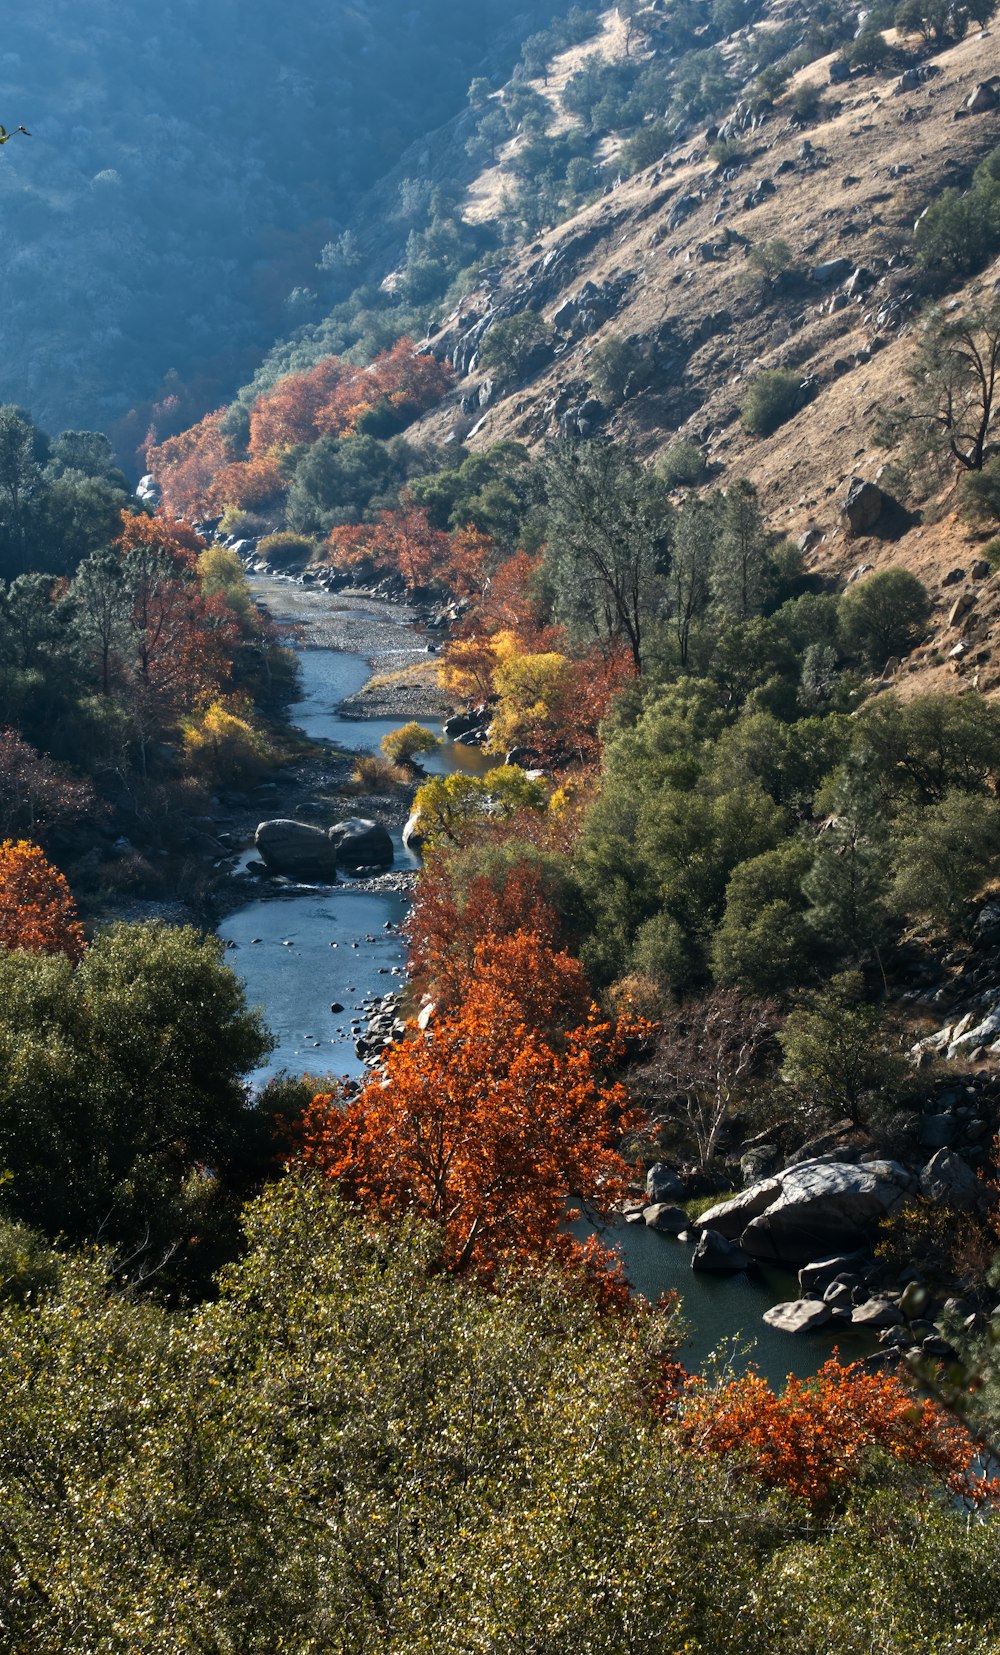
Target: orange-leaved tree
x=451, y=918
x=820, y=1437
x=490, y=1125
x=37, y=911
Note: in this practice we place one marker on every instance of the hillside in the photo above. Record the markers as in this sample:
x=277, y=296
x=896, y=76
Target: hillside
x=661, y=261
x=185, y=171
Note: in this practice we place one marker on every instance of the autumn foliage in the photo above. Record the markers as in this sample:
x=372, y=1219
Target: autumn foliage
x=819, y=1436
x=201, y=471
x=37, y=912
x=490, y=1124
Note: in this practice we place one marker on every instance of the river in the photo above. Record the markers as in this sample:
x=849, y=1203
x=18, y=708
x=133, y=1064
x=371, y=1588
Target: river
x=301, y=953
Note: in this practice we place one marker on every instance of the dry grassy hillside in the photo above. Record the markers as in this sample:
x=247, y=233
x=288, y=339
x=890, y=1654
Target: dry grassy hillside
x=666, y=254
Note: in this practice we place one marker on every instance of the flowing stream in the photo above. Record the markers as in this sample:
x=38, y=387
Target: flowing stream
x=302, y=953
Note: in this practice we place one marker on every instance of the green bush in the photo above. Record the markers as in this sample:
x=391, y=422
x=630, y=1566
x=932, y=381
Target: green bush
x=288, y=550
x=771, y=400
x=507, y=344
x=682, y=465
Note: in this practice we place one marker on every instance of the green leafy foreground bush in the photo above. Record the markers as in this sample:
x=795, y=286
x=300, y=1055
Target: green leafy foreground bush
x=351, y=1451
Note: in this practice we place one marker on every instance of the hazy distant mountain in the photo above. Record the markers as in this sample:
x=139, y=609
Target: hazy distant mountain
x=188, y=163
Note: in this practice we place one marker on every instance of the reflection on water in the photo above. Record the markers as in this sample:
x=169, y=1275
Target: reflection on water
x=284, y=953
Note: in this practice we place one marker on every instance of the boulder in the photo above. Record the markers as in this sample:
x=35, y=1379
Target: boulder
x=946, y=1177
x=361, y=843
x=877, y=1313
x=862, y=505
x=663, y=1183
x=731, y=1218
x=413, y=839
x=985, y=97
x=817, y=1277
x=296, y=849
x=937, y=1131
x=831, y=270
x=714, y=1252
x=669, y=1221
x=759, y=1162
x=825, y=1208
x=798, y=1315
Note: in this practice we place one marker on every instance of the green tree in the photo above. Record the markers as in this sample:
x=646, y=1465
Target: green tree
x=943, y=855
x=740, y=562
x=847, y=885
x=882, y=615
x=122, y=1105
x=840, y=1053
x=763, y=944
x=507, y=344
x=608, y=538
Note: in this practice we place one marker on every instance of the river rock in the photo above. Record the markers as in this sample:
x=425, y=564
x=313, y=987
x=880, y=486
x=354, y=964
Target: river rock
x=714, y=1252
x=877, y=1313
x=296, y=849
x=361, y=843
x=798, y=1315
x=668, y=1221
x=824, y=1208
x=731, y=1218
x=413, y=839
x=663, y=1183
x=817, y=1277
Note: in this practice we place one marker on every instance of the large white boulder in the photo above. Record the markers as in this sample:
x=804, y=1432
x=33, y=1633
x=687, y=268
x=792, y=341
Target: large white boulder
x=817, y=1210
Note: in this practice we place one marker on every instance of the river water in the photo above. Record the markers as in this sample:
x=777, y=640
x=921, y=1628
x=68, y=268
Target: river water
x=301, y=953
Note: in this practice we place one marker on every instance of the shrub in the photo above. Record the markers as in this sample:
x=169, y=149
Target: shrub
x=869, y=51
x=682, y=465
x=287, y=549
x=373, y=774
x=771, y=400
x=402, y=746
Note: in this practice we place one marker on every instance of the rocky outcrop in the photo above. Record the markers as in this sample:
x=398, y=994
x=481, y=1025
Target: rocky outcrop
x=296, y=849
x=731, y=1218
x=813, y=1211
x=361, y=843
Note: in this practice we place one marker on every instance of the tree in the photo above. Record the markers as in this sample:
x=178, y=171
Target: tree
x=763, y=943
x=20, y=483
x=944, y=855
x=35, y=793
x=454, y=809
x=696, y=538
x=739, y=562
x=709, y=1053
x=490, y=1126
x=122, y=1105
x=847, y=885
x=954, y=386
x=402, y=746
x=819, y=1436
x=840, y=1053
x=507, y=345
x=881, y=616
x=608, y=543
x=37, y=911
